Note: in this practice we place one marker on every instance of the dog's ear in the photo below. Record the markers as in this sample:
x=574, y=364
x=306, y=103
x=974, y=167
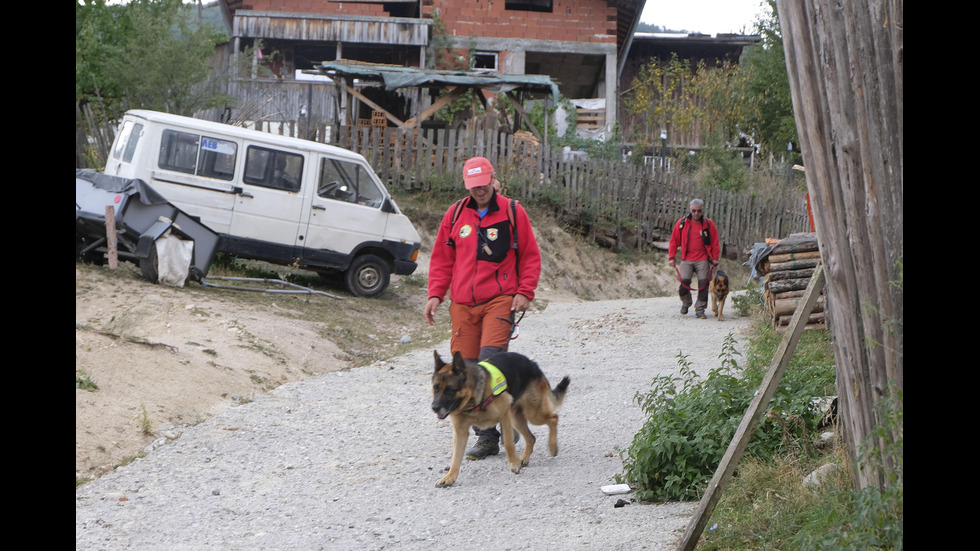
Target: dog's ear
x=459, y=364
x=439, y=362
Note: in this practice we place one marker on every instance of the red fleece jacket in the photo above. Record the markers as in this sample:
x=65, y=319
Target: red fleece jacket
x=474, y=259
x=690, y=242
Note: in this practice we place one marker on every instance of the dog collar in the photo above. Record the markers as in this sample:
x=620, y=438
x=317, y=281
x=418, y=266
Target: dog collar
x=497, y=381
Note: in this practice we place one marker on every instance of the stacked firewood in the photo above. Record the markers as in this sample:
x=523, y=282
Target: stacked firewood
x=787, y=271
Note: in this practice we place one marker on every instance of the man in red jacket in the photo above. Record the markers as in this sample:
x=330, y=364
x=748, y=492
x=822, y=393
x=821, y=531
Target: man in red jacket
x=486, y=256
x=697, y=239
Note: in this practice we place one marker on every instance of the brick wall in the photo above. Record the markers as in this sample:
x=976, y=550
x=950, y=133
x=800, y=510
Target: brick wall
x=570, y=20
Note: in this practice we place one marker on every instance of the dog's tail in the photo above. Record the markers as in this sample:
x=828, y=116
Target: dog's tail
x=558, y=393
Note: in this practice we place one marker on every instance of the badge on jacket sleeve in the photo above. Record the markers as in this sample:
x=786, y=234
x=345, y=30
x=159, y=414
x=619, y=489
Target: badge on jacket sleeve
x=465, y=231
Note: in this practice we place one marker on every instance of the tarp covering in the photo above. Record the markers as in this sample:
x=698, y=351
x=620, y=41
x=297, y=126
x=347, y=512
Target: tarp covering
x=394, y=77
x=127, y=186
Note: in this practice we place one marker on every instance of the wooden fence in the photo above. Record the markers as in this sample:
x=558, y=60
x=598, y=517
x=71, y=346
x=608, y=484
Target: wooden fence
x=605, y=192
x=610, y=193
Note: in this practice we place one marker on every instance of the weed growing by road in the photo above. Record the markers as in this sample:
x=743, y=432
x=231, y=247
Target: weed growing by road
x=84, y=382
x=146, y=426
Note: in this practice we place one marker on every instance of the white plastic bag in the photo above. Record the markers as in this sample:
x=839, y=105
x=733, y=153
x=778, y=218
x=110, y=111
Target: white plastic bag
x=173, y=259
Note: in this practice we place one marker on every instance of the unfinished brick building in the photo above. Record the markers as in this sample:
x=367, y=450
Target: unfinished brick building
x=580, y=44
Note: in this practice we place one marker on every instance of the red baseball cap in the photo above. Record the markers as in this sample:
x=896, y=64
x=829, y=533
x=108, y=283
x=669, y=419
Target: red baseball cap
x=477, y=172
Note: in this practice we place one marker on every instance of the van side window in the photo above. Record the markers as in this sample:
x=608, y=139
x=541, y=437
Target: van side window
x=273, y=168
x=196, y=154
x=217, y=158
x=349, y=182
x=129, y=136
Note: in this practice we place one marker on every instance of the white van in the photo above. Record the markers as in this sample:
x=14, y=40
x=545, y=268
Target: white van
x=273, y=198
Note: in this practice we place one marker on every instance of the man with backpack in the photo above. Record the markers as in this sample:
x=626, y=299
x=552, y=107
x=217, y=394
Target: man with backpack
x=697, y=238
x=486, y=256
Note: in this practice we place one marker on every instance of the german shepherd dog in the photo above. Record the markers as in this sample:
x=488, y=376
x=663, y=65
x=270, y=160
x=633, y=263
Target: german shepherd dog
x=462, y=391
x=719, y=292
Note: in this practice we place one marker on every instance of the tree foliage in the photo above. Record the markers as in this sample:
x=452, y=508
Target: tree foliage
x=725, y=98
x=768, y=86
x=661, y=94
x=143, y=54
x=723, y=104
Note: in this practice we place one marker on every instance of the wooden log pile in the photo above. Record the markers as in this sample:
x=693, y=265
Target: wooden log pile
x=786, y=272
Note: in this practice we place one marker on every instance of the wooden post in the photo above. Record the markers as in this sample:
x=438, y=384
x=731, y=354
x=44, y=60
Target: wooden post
x=110, y=235
x=752, y=416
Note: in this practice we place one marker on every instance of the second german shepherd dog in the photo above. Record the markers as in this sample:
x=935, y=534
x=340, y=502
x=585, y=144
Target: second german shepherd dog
x=719, y=292
x=464, y=392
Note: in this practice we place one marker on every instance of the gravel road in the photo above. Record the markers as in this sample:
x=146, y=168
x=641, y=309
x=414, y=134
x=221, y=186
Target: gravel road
x=349, y=460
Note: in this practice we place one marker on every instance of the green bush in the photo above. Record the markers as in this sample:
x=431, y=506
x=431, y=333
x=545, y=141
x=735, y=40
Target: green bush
x=692, y=421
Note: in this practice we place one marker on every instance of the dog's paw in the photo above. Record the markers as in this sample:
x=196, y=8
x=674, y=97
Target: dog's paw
x=445, y=482
x=516, y=467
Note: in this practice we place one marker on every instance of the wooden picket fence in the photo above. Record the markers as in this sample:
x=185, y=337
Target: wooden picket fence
x=605, y=192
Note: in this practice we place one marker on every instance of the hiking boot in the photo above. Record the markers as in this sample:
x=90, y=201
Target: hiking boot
x=684, y=308
x=482, y=449
x=700, y=316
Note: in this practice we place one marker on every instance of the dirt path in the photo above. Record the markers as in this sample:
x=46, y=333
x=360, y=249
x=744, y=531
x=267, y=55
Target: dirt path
x=349, y=459
x=166, y=358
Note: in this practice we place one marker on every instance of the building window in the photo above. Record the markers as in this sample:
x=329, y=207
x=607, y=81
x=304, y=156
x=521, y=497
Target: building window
x=529, y=5
x=485, y=61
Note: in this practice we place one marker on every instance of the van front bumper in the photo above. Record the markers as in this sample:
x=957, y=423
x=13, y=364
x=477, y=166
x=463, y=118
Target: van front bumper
x=405, y=267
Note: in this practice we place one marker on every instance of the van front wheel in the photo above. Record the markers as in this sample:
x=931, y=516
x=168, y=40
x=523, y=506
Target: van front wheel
x=367, y=276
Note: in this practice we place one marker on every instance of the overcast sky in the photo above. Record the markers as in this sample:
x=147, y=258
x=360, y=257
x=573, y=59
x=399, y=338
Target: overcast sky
x=704, y=16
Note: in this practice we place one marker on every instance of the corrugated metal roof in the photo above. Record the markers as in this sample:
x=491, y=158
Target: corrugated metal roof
x=394, y=76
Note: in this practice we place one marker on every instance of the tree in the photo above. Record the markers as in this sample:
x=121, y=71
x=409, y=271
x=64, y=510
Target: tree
x=768, y=86
x=845, y=67
x=143, y=54
x=661, y=96
x=723, y=101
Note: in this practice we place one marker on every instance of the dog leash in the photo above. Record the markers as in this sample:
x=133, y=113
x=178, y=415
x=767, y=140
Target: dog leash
x=711, y=276
x=515, y=330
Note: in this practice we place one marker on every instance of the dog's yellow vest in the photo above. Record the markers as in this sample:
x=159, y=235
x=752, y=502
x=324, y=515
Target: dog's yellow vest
x=497, y=380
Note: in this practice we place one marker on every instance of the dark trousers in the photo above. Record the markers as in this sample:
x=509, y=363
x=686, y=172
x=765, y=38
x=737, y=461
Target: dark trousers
x=687, y=270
